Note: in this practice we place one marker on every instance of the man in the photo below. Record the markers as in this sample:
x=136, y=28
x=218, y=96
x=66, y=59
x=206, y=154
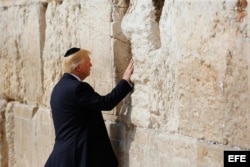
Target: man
x=81, y=136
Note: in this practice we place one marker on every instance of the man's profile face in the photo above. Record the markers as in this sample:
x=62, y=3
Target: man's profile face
x=84, y=67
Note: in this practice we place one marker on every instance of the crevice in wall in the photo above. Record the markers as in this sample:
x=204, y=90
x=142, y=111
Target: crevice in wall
x=158, y=8
x=119, y=44
x=4, y=147
x=42, y=31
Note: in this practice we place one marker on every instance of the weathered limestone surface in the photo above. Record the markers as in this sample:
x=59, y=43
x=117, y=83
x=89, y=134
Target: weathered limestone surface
x=30, y=134
x=20, y=53
x=191, y=96
x=193, y=80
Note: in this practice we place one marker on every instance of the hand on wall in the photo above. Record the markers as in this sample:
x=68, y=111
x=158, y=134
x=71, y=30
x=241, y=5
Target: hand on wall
x=129, y=71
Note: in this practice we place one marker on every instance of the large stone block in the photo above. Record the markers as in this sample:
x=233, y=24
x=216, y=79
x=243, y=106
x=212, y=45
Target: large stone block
x=213, y=103
x=21, y=48
x=43, y=136
x=211, y=74
x=30, y=134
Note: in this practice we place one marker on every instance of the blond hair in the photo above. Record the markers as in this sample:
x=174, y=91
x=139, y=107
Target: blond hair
x=72, y=61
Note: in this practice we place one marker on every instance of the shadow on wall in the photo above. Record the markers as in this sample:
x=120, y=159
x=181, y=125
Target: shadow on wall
x=125, y=134
x=158, y=8
x=122, y=132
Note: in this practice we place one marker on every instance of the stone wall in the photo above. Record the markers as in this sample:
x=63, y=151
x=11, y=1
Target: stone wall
x=191, y=98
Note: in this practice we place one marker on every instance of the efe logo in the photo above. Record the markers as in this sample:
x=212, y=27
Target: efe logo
x=236, y=158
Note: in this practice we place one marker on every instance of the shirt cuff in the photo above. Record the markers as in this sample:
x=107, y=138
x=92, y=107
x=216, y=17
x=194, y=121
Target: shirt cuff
x=130, y=83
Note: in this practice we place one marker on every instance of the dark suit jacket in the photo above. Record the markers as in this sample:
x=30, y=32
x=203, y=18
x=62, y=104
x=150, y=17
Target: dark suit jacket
x=81, y=136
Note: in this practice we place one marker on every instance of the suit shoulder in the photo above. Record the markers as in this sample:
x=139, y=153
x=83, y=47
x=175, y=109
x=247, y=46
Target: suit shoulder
x=84, y=86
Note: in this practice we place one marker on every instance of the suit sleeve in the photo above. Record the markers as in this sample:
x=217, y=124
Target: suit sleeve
x=92, y=101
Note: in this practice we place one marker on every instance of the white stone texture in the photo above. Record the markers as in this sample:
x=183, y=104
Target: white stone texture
x=20, y=53
x=197, y=81
x=142, y=30
x=191, y=96
x=7, y=3
x=30, y=134
x=137, y=146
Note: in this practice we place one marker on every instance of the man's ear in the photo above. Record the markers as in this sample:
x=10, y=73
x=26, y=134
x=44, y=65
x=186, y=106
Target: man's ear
x=77, y=68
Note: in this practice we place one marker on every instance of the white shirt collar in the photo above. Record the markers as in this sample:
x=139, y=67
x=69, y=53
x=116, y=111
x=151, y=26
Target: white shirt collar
x=76, y=77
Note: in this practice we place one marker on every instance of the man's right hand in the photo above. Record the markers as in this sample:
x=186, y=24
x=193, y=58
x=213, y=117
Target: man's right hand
x=129, y=71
